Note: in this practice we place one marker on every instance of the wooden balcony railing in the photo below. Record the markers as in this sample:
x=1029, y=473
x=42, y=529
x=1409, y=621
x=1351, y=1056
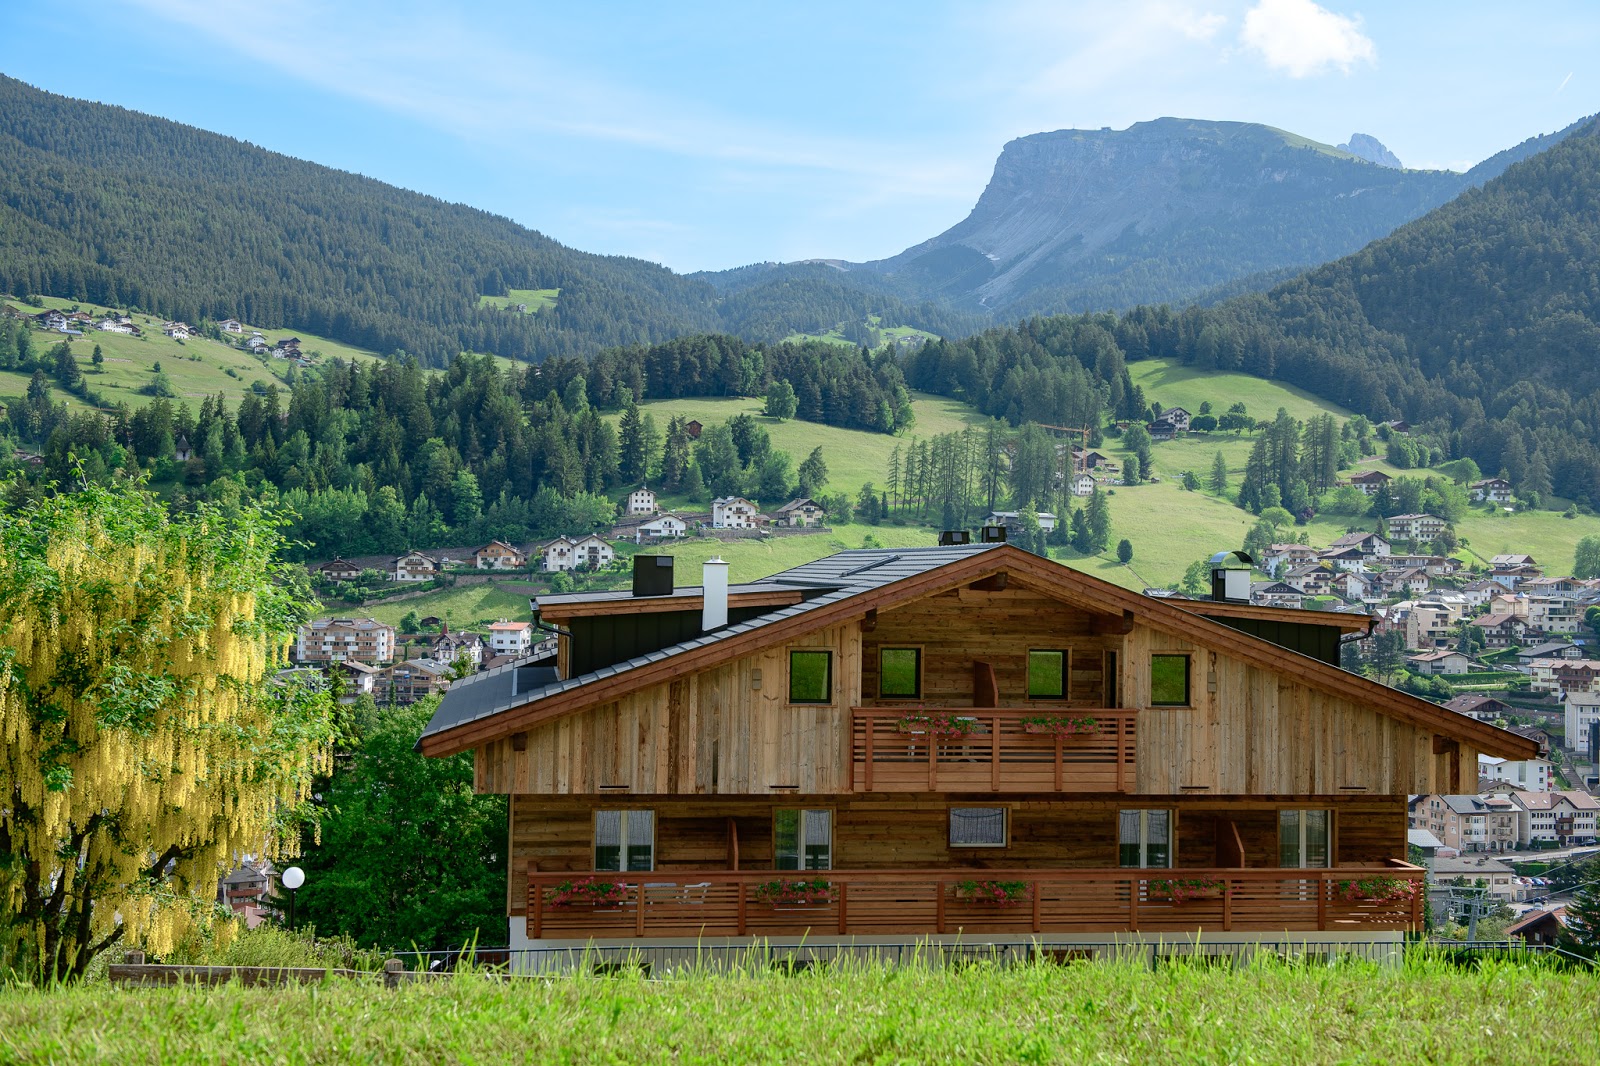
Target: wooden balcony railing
x=928, y=902
x=999, y=755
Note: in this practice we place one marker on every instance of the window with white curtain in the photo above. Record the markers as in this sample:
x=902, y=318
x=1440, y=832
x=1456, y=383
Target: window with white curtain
x=802, y=839
x=977, y=827
x=1303, y=839
x=1144, y=839
x=624, y=841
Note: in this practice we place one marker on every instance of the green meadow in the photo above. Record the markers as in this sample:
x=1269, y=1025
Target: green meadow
x=1089, y=1012
x=536, y=299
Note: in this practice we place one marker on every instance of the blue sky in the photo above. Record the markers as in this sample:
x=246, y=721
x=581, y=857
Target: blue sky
x=711, y=135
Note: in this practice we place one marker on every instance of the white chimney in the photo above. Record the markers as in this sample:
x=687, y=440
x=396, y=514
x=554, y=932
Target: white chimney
x=714, y=615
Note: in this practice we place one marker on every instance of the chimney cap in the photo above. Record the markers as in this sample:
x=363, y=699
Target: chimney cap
x=1232, y=561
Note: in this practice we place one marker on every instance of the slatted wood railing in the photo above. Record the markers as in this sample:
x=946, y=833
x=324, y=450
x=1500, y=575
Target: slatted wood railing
x=927, y=902
x=999, y=755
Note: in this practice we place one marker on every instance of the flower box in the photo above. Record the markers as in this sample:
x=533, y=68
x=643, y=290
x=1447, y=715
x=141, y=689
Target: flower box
x=587, y=892
x=793, y=895
x=1184, y=890
x=1061, y=726
x=993, y=893
x=1377, y=890
x=940, y=725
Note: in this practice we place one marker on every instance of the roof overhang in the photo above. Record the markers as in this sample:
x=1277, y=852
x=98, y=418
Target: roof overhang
x=1177, y=617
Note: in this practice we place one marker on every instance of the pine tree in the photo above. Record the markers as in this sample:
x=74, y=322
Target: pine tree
x=1098, y=518
x=632, y=459
x=1583, y=913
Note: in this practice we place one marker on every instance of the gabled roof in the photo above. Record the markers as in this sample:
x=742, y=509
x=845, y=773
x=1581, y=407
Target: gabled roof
x=844, y=586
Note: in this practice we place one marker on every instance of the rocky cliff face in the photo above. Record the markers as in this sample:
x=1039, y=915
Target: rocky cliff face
x=1366, y=146
x=1161, y=211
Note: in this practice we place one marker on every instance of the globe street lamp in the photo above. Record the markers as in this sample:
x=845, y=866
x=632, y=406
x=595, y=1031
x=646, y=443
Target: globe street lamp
x=293, y=878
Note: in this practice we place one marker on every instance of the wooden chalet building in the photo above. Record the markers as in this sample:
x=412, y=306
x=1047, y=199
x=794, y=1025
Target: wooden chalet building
x=909, y=730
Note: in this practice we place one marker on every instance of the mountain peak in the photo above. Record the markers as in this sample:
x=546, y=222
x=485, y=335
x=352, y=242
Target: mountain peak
x=1366, y=146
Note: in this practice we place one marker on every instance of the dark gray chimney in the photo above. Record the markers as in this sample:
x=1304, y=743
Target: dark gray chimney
x=993, y=534
x=652, y=575
x=954, y=536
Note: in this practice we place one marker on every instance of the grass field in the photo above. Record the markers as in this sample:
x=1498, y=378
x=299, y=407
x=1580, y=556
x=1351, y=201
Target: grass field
x=852, y=1013
x=198, y=367
x=463, y=606
x=1176, y=385
x=854, y=456
x=536, y=299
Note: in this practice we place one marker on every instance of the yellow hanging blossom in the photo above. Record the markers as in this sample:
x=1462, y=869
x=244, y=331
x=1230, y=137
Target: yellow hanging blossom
x=144, y=744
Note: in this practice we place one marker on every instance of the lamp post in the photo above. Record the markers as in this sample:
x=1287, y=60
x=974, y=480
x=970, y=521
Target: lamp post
x=293, y=878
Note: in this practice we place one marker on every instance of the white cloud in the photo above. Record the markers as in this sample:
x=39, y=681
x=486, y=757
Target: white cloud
x=1302, y=38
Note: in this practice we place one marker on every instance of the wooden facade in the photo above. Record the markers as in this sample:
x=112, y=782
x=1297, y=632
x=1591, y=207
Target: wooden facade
x=707, y=739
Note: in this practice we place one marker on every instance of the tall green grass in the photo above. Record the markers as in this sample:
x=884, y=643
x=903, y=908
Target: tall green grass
x=1119, y=1012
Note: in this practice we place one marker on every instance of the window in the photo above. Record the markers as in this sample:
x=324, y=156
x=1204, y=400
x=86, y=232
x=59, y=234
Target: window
x=624, y=840
x=977, y=827
x=1144, y=839
x=1303, y=839
x=802, y=839
x=1169, y=680
x=900, y=673
x=811, y=677
x=1047, y=675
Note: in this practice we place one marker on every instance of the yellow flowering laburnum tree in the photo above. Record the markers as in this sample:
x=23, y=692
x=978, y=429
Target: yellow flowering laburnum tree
x=144, y=744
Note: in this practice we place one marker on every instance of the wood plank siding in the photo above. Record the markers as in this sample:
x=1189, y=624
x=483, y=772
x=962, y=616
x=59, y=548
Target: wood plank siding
x=731, y=730
x=905, y=831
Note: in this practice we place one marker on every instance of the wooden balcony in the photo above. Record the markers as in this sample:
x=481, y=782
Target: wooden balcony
x=999, y=755
x=928, y=902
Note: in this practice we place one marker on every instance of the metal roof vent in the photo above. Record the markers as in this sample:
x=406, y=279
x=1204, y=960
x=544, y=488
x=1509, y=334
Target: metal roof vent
x=993, y=535
x=951, y=537
x=652, y=575
x=1230, y=577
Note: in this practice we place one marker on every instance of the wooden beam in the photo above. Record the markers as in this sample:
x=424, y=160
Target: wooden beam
x=1445, y=745
x=1108, y=625
x=993, y=583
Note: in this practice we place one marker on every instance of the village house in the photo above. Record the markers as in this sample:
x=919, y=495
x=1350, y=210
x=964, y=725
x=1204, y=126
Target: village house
x=1313, y=579
x=447, y=647
x=662, y=527
x=1441, y=661
x=1581, y=711
x=246, y=890
x=332, y=639
x=1081, y=485
x=1481, y=591
x=1417, y=528
x=1552, y=615
x=338, y=570
x=181, y=452
x=1491, y=489
x=1368, y=481
x=1556, y=818
x=415, y=679
x=498, y=555
x=1350, y=560
x=800, y=512
x=571, y=553
x=1435, y=565
x=1276, y=594
x=1546, y=926
x=1483, y=708
x=1087, y=460
x=1550, y=649
x=359, y=678
x=1406, y=581
x=1176, y=417
x=1466, y=821
x=892, y=723
x=414, y=566
x=231, y=325
x=641, y=500
x=1499, y=878
x=734, y=512
x=1012, y=520
x=1527, y=775
x=178, y=331
x=1501, y=630
x=1278, y=556
x=510, y=638
x=1370, y=545
x=1575, y=675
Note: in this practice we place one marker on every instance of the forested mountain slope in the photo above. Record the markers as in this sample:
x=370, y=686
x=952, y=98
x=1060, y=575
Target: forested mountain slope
x=102, y=204
x=1479, y=323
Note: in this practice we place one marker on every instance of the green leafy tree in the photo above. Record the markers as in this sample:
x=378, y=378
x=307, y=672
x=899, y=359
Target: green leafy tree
x=409, y=853
x=781, y=401
x=1586, y=557
x=1132, y=470
x=411, y=623
x=1124, y=551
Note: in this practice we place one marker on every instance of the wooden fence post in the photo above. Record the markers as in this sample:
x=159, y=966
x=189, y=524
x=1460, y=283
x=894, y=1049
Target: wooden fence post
x=393, y=972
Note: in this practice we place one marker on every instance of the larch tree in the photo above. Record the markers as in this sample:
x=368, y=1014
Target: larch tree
x=144, y=744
